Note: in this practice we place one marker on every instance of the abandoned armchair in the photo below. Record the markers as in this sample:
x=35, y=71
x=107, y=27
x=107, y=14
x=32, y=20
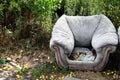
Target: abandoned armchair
x=83, y=42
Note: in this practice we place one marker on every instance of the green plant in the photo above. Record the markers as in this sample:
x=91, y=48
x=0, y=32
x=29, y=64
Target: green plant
x=3, y=61
x=65, y=70
x=77, y=7
x=36, y=72
x=15, y=15
x=111, y=9
x=21, y=71
x=42, y=69
x=3, y=49
x=84, y=7
x=48, y=68
x=27, y=45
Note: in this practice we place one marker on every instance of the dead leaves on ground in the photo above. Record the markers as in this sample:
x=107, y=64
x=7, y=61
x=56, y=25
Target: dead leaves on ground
x=22, y=61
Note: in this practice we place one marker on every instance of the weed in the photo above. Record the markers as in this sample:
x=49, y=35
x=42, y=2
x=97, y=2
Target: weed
x=42, y=69
x=3, y=49
x=21, y=71
x=3, y=61
x=48, y=68
x=27, y=45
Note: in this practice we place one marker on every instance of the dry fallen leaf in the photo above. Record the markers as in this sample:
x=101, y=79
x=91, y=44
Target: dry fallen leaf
x=36, y=59
x=18, y=76
x=21, y=51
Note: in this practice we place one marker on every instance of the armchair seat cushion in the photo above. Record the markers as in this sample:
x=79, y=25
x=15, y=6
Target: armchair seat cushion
x=82, y=54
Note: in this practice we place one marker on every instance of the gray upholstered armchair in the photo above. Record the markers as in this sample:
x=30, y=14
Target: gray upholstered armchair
x=95, y=31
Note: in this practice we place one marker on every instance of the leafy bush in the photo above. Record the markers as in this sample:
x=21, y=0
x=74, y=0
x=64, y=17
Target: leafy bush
x=111, y=9
x=35, y=18
x=84, y=7
x=21, y=71
x=28, y=18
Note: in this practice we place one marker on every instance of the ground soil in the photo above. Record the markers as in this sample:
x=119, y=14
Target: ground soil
x=20, y=57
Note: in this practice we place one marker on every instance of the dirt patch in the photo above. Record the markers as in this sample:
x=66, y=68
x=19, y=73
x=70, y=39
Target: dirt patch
x=23, y=61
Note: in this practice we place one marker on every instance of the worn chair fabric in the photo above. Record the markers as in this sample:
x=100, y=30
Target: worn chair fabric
x=95, y=31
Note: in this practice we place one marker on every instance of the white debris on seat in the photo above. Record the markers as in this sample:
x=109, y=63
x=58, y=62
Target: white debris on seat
x=85, y=54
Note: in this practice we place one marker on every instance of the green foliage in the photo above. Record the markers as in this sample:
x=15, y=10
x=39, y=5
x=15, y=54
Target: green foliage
x=64, y=70
x=3, y=49
x=42, y=69
x=27, y=45
x=48, y=68
x=21, y=71
x=15, y=15
x=1, y=10
x=15, y=34
x=111, y=9
x=84, y=7
x=76, y=7
x=3, y=61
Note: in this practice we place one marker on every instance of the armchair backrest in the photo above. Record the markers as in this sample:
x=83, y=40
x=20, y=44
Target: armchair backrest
x=83, y=28
x=96, y=31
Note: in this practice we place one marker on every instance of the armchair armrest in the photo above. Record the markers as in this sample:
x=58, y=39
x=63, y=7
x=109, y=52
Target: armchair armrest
x=62, y=35
x=119, y=34
x=105, y=34
x=60, y=56
x=102, y=57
